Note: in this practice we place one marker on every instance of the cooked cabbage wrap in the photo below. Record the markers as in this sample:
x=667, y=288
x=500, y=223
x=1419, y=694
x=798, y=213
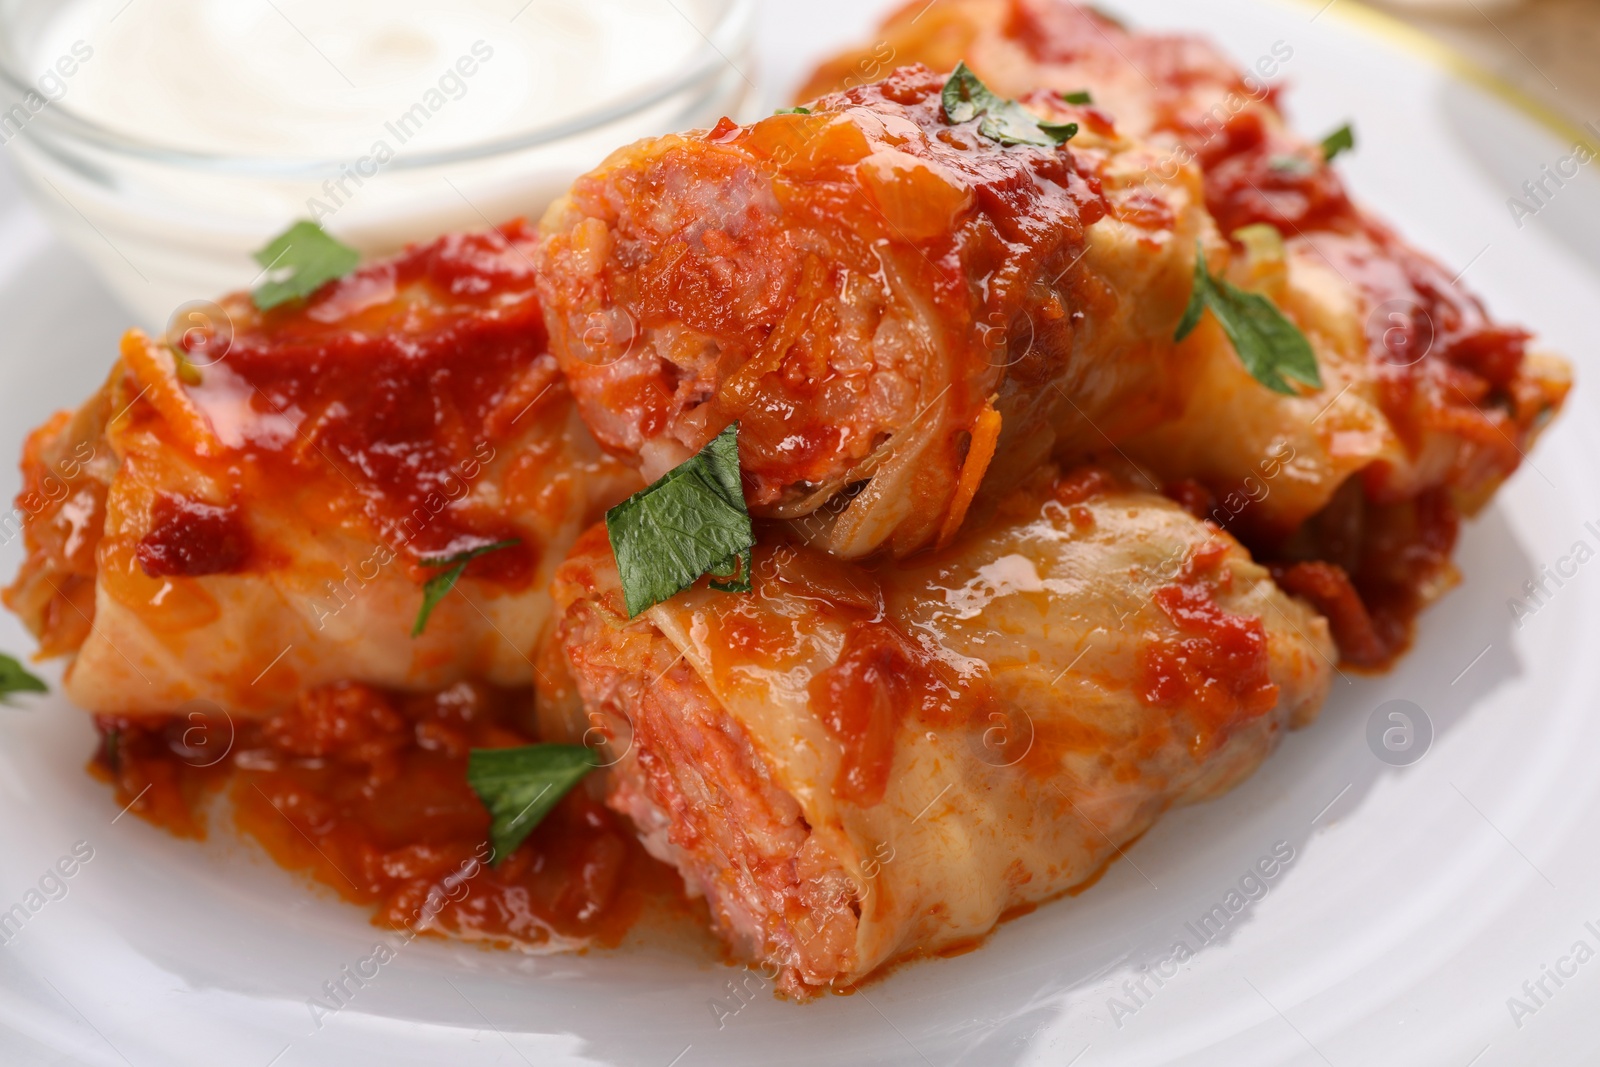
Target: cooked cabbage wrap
x=897, y=307
x=253, y=508
x=854, y=765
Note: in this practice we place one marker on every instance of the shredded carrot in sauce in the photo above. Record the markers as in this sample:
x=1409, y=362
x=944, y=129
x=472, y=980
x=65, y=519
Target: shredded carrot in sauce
x=156, y=368
x=985, y=435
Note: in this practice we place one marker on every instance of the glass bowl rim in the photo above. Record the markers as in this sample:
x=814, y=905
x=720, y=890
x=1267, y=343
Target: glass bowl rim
x=732, y=31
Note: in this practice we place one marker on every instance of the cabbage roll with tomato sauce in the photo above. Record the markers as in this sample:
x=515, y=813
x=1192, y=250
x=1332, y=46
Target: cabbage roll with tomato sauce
x=855, y=764
x=1427, y=405
x=251, y=514
x=896, y=308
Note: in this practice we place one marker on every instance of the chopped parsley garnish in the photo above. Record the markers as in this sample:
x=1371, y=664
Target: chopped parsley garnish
x=440, y=585
x=1269, y=345
x=1082, y=96
x=1341, y=140
x=967, y=98
x=793, y=111
x=15, y=679
x=306, y=259
x=1291, y=165
x=519, y=786
x=691, y=522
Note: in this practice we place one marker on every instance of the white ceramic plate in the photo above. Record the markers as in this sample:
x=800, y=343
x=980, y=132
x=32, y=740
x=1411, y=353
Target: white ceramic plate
x=1419, y=899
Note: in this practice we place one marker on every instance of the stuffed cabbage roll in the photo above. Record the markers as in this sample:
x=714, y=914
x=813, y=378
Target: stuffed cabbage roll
x=1427, y=403
x=251, y=509
x=892, y=304
x=855, y=764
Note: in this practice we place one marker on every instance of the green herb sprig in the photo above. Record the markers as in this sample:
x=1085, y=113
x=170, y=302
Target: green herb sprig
x=14, y=678
x=1270, y=346
x=967, y=98
x=439, y=586
x=520, y=786
x=311, y=259
x=1339, y=141
x=691, y=522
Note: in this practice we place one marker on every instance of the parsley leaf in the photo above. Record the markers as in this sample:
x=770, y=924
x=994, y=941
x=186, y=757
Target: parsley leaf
x=793, y=111
x=440, y=585
x=1269, y=345
x=519, y=786
x=1082, y=96
x=311, y=258
x=693, y=521
x=735, y=577
x=15, y=679
x=1341, y=140
x=967, y=98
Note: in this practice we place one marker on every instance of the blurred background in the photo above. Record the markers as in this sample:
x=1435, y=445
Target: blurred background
x=1546, y=48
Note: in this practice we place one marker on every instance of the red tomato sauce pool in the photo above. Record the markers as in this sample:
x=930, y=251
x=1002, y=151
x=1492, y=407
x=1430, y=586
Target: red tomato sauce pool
x=366, y=792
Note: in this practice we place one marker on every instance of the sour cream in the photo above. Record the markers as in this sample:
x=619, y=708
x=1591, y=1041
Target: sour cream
x=386, y=122
x=322, y=79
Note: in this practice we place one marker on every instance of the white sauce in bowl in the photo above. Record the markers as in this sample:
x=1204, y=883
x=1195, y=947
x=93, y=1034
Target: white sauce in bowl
x=340, y=111
x=323, y=79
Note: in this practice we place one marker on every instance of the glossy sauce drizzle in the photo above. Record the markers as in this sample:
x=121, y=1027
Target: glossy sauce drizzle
x=401, y=382
x=189, y=538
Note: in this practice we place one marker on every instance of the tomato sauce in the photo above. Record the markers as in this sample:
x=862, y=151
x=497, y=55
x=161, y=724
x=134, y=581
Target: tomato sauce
x=881, y=677
x=862, y=700
x=396, y=385
x=366, y=792
x=1329, y=589
x=1084, y=483
x=1369, y=567
x=1253, y=175
x=1218, y=671
x=190, y=538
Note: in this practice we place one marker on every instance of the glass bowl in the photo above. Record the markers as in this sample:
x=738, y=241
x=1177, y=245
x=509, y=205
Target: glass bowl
x=168, y=139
